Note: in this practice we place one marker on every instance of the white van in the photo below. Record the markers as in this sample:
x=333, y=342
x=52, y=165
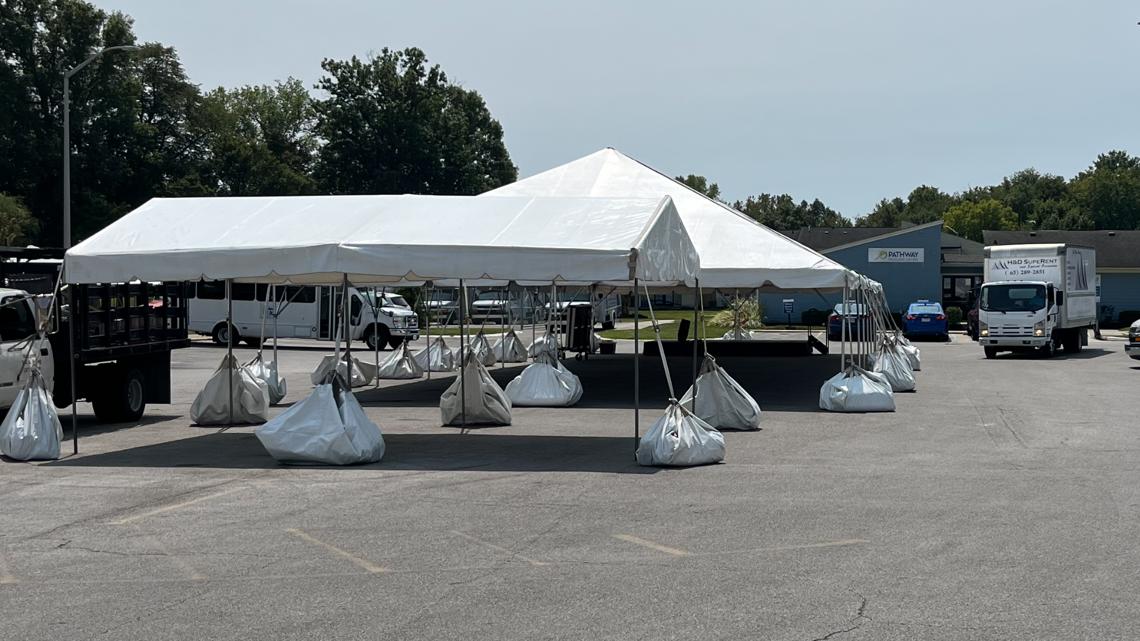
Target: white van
x=301, y=312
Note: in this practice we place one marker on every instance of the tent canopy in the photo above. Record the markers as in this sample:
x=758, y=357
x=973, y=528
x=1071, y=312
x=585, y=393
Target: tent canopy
x=392, y=240
x=735, y=250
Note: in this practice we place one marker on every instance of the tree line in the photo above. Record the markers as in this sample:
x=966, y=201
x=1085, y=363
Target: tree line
x=386, y=123
x=1104, y=196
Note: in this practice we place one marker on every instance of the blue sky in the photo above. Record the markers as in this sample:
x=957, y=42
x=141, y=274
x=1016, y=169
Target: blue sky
x=846, y=101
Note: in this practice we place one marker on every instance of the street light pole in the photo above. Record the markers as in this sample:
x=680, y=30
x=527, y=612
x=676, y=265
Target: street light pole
x=67, y=135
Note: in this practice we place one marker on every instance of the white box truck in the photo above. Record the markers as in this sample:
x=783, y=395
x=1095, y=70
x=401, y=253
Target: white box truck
x=1037, y=298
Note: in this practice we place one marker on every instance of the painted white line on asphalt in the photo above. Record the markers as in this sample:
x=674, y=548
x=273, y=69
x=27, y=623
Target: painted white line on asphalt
x=367, y=565
x=629, y=538
x=175, y=506
x=498, y=548
x=184, y=565
x=788, y=548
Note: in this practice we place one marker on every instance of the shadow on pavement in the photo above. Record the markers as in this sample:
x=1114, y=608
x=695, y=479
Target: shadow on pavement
x=481, y=451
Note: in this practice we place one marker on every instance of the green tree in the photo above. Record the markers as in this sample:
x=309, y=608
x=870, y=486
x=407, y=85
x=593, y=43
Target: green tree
x=1108, y=192
x=1032, y=196
x=887, y=213
x=969, y=219
x=128, y=115
x=701, y=184
x=391, y=124
x=784, y=213
x=258, y=140
x=17, y=226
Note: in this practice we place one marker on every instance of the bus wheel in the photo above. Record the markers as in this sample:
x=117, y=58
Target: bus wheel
x=221, y=334
x=376, y=335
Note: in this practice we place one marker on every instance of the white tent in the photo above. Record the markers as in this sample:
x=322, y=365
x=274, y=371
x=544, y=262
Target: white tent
x=392, y=240
x=735, y=250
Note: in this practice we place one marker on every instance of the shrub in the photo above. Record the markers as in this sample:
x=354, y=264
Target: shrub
x=749, y=312
x=954, y=316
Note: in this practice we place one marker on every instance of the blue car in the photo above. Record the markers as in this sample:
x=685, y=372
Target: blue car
x=926, y=318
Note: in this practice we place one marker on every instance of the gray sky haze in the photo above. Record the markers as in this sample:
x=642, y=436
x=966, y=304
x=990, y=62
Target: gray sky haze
x=848, y=101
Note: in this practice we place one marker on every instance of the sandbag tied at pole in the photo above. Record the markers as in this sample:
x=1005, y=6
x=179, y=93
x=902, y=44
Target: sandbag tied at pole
x=258, y=367
x=856, y=390
x=436, y=357
x=474, y=398
x=31, y=431
x=548, y=343
x=482, y=349
x=509, y=348
x=362, y=373
x=544, y=383
x=720, y=401
x=250, y=397
x=400, y=364
x=892, y=363
x=680, y=438
x=329, y=426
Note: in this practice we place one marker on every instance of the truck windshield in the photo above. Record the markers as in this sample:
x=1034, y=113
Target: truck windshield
x=1013, y=298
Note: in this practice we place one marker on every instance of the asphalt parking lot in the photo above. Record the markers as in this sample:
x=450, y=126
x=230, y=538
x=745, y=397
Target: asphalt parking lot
x=1001, y=500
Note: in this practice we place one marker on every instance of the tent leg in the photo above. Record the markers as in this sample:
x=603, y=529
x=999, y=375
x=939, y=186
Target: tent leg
x=71, y=329
x=736, y=314
x=503, y=321
x=427, y=328
x=636, y=369
x=375, y=342
x=347, y=328
x=462, y=355
x=230, y=347
x=696, y=332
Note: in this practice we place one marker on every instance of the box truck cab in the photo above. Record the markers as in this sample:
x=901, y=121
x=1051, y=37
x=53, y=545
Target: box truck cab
x=1037, y=298
x=301, y=312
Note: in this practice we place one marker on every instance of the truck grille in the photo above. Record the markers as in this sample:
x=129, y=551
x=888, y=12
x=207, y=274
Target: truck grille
x=1011, y=330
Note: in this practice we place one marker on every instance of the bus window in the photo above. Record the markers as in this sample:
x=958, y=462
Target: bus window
x=211, y=290
x=354, y=307
x=299, y=294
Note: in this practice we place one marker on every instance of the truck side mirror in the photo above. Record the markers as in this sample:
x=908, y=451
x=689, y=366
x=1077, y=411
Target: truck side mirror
x=1060, y=298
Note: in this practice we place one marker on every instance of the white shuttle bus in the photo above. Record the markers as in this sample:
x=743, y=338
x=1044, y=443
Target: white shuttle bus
x=301, y=312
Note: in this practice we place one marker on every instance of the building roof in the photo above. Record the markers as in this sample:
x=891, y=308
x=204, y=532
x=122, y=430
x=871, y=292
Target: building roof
x=1114, y=249
x=823, y=238
x=957, y=250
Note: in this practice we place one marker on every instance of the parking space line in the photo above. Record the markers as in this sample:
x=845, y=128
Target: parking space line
x=365, y=564
x=497, y=548
x=6, y=576
x=629, y=538
x=175, y=506
x=183, y=564
x=788, y=548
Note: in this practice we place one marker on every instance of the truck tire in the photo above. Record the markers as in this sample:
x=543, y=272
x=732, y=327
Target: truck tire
x=219, y=334
x=376, y=334
x=991, y=352
x=253, y=342
x=122, y=399
x=395, y=342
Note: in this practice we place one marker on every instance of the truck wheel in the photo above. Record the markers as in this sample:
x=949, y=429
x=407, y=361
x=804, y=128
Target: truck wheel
x=395, y=342
x=1047, y=350
x=991, y=352
x=122, y=399
x=376, y=334
x=253, y=342
x=221, y=333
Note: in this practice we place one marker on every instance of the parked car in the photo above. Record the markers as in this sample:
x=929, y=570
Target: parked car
x=926, y=318
x=1132, y=348
x=855, y=313
x=442, y=305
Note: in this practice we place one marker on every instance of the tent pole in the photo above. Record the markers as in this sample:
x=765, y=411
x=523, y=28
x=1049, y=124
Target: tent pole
x=427, y=328
x=503, y=321
x=636, y=369
x=557, y=313
x=376, y=304
x=736, y=314
x=843, y=327
x=72, y=325
x=230, y=347
x=273, y=289
x=696, y=330
x=347, y=328
x=462, y=356
x=534, y=317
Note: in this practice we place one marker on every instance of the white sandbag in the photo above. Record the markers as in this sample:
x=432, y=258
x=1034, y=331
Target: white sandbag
x=482, y=349
x=509, y=348
x=856, y=390
x=893, y=364
x=737, y=334
x=436, y=357
x=544, y=343
x=328, y=426
x=680, y=438
x=399, y=364
x=720, y=400
x=545, y=383
x=266, y=372
x=363, y=373
x=912, y=354
x=487, y=404
x=250, y=396
x=31, y=430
